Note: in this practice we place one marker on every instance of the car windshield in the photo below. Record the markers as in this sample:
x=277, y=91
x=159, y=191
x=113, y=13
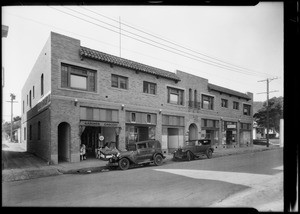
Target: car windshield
x=131, y=147
x=190, y=143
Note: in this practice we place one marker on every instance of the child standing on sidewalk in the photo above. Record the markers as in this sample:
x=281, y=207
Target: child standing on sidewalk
x=82, y=152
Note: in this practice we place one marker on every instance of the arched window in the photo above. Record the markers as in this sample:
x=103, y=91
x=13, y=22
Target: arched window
x=42, y=84
x=195, y=99
x=30, y=99
x=190, y=98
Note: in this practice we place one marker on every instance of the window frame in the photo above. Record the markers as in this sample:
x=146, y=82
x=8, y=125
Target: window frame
x=178, y=92
x=119, y=78
x=237, y=104
x=70, y=70
x=248, y=108
x=224, y=103
x=211, y=101
x=42, y=85
x=148, y=87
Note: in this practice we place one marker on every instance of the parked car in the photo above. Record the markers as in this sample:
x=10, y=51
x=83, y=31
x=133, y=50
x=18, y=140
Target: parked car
x=138, y=153
x=194, y=149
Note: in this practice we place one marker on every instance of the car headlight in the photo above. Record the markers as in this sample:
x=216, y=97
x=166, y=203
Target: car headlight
x=118, y=154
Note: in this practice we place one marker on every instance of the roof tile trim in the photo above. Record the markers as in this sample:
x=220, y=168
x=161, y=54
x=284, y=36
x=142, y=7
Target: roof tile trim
x=228, y=91
x=104, y=57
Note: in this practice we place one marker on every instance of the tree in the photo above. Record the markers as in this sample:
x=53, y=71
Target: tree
x=16, y=125
x=275, y=114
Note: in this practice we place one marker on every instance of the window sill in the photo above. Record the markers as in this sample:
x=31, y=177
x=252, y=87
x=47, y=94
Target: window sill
x=76, y=90
x=178, y=105
x=148, y=94
x=118, y=89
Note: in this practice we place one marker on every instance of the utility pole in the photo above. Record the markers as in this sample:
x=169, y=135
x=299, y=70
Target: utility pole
x=120, y=35
x=12, y=98
x=268, y=81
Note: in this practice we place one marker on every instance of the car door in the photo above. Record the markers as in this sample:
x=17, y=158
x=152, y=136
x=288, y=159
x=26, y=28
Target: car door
x=142, y=152
x=204, y=145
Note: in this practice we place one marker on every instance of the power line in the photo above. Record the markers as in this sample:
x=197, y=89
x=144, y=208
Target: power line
x=139, y=53
x=199, y=59
x=168, y=41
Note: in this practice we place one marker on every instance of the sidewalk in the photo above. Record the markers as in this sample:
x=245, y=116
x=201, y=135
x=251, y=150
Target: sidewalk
x=17, y=164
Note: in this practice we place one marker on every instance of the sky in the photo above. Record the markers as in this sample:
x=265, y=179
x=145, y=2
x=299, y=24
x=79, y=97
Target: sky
x=232, y=46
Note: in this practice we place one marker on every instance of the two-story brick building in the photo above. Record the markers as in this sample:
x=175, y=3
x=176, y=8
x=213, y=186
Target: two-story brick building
x=75, y=94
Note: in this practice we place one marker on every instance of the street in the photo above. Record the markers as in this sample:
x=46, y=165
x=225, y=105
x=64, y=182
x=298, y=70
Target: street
x=236, y=180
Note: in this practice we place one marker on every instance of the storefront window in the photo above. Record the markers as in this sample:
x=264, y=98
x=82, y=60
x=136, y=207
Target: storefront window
x=139, y=133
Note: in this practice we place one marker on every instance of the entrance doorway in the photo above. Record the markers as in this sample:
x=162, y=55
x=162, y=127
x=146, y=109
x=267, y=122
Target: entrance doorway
x=63, y=144
x=90, y=138
x=193, y=131
x=173, y=139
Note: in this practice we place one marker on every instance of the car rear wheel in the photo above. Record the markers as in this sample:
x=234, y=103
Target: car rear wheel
x=189, y=155
x=209, y=153
x=124, y=163
x=158, y=160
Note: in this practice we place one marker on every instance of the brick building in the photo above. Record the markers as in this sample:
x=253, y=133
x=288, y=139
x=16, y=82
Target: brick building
x=75, y=94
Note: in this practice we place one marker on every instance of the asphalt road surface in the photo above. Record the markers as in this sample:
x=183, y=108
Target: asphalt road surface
x=252, y=180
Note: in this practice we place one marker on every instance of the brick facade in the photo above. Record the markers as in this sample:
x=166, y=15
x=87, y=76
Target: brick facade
x=61, y=108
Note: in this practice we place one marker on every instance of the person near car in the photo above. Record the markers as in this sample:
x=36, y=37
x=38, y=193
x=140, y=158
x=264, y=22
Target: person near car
x=82, y=152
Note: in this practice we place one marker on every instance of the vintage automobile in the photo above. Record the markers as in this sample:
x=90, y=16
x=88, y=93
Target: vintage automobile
x=194, y=149
x=138, y=153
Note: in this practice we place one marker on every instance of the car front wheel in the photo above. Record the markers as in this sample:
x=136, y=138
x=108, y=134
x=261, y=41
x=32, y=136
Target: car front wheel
x=209, y=153
x=158, y=160
x=124, y=163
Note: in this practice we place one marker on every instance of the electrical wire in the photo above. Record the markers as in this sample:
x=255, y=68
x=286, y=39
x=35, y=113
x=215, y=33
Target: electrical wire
x=173, y=43
x=139, y=53
x=178, y=53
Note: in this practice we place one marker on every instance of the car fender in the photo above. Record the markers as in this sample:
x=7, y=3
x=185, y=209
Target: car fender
x=158, y=153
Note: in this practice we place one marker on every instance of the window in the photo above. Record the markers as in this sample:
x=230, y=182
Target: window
x=175, y=96
x=42, y=84
x=25, y=133
x=39, y=130
x=119, y=81
x=246, y=110
x=207, y=102
x=235, y=105
x=30, y=132
x=33, y=92
x=78, y=82
x=224, y=103
x=148, y=118
x=142, y=146
x=149, y=88
x=133, y=118
x=78, y=78
x=30, y=99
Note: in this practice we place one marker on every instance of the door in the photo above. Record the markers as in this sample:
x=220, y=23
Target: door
x=173, y=139
x=228, y=137
x=63, y=144
x=143, y=152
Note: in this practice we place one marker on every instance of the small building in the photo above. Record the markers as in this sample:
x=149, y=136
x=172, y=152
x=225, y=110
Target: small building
x=76, y=94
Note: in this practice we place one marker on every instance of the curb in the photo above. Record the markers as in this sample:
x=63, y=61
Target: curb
x=10, y=175
x=21, y=174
